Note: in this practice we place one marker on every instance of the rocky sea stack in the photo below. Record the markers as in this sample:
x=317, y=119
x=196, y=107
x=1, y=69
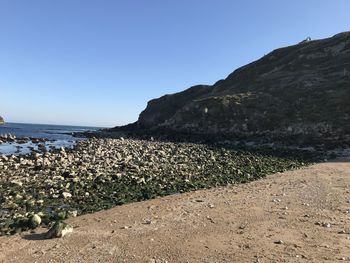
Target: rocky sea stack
x=298, y=94
x=2, y=120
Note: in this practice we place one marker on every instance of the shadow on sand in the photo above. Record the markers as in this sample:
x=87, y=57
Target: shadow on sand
x=35, y=236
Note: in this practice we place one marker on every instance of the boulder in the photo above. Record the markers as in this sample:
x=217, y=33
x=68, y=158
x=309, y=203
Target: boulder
x=35, y=221
x=59, y=229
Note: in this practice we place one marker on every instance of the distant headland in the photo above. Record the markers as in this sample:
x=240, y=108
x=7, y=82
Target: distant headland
x=2, y=120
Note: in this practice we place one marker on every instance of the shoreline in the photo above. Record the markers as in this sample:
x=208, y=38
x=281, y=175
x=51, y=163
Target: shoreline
x=25, y=146
x=101, y=173
x=24, y=137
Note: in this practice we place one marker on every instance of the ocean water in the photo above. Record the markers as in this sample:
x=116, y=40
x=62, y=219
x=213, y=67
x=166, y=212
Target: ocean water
x=58, y=136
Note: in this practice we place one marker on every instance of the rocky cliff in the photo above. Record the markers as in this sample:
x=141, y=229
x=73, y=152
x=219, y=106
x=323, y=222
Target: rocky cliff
x=2, y=120
x=300, y=92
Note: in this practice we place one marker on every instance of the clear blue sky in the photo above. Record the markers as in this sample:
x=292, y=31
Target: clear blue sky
x=98, y=62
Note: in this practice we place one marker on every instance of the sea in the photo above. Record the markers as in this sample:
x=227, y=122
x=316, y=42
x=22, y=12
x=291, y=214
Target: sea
x=58, y=136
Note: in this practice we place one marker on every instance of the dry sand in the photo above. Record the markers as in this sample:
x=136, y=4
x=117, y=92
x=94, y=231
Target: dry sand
x=297, y=216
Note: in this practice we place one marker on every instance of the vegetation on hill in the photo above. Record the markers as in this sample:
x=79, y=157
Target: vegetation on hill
x=300, y=93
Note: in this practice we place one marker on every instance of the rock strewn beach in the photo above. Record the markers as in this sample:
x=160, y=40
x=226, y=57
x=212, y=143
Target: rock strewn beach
x=296, y=216
x=102, y=173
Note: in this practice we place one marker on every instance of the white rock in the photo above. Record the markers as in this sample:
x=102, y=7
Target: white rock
x=66, y=195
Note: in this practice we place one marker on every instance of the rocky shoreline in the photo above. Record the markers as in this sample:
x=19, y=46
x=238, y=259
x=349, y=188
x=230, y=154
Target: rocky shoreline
x=101, y=173
x=309, y=139
x=10, y=144
x=12, y=138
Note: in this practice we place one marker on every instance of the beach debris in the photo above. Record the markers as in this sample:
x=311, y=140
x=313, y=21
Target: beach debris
x=147, y=222
x=323, y=224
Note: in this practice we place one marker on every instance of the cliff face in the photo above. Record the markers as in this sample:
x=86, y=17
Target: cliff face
x=297, y=90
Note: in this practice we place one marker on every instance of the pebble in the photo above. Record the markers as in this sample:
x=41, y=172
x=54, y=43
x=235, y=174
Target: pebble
x=326, y=225
x=15, y=182
x=147, y=222
x=66, y=195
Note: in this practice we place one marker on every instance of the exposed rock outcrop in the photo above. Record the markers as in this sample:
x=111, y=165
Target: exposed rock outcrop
x=300, y=92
